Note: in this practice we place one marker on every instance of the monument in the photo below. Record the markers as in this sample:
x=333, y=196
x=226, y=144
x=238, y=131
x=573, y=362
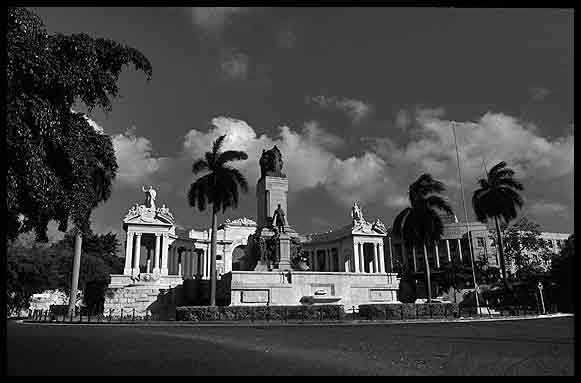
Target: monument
x=271, y=244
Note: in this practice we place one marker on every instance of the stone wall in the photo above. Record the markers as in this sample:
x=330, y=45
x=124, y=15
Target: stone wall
x=146, y=300
x=278, y=288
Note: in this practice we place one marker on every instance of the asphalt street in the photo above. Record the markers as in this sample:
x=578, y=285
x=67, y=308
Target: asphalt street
x=523, y=347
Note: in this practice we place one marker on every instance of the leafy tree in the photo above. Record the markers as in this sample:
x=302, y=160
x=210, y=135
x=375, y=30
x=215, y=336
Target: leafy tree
x=421, y=223
x=59, y=167
x=497, y=199
x=219, y=188
x=524, y=248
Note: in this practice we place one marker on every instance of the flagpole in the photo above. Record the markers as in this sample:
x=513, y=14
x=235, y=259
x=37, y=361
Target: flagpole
x=452, y=123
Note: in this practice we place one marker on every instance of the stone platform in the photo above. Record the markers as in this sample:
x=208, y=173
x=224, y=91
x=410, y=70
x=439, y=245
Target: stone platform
x=288, y=288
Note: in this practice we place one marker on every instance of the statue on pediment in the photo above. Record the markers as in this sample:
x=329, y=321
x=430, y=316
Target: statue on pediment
x=356, y=213
x=150, y=194
x=271, y=163
x=379, y=226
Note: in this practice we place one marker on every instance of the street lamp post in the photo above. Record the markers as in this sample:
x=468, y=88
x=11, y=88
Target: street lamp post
x=452, y=123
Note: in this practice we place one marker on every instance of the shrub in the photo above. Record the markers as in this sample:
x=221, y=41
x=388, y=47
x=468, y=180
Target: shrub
x=275, y=313
x=395, y=311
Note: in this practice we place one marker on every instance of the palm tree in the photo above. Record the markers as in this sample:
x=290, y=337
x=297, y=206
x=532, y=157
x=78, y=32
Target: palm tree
x=219, y=187
x=498, y=198
x=421, y=223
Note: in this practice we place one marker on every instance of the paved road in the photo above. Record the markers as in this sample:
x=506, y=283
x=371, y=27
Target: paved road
x=527, y=347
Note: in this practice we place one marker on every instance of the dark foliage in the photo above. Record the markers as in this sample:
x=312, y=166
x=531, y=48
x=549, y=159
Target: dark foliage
x=58, y=167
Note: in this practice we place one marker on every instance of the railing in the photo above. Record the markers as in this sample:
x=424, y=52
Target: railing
x=315, y=314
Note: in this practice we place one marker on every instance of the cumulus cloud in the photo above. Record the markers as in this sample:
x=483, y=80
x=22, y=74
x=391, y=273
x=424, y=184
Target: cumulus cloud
x=494, y=137
x=235, y=66
x=213, y=19
x=357, y=110
x=547, y=207
x=403, y=119
x=358, y=177
x=134, y=157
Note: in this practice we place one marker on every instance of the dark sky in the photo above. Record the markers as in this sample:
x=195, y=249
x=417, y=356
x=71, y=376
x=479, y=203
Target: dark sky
x=358, y=99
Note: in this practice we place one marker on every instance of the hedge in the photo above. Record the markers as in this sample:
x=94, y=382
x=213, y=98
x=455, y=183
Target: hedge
x=280, y=313
x=395, y=311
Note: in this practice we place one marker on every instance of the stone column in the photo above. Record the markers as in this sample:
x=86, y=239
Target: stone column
x=356, y=257
x=207, y=263
x=164, y=253
x=180, y=259
x=136, y=254
x=460, y=249
x=195, y=262
x=157, y=251
x=381, y=258
x=329, y=266
x=437, y=254
x=375, y=258
x=361, y=257
x=186, y=263
x=176, y=260
x=148, y=262
x=128, y=253
x=448, y=251
x=414, y=257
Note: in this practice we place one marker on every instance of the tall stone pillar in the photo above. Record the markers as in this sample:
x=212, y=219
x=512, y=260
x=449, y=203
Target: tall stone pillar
x=157, y=251
x=375, y=258
x=328, y=266
x=356, y=257
x=164, y=252
x=448, y=251
x=381, y=258
x=128, y=253
x=460, y=249
x=361, y=257
x=437, y=254
x=414, y=256
x=136, y=254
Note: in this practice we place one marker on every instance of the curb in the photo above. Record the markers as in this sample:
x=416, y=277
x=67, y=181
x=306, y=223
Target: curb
x=287, y=324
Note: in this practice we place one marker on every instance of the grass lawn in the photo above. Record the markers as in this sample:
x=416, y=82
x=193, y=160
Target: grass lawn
x=524, y=347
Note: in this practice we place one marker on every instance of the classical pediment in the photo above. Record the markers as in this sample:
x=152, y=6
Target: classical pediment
x=139, y=214
x=361, y=226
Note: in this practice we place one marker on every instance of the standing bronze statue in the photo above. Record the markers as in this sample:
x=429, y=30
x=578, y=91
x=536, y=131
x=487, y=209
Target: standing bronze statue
x=278, y=219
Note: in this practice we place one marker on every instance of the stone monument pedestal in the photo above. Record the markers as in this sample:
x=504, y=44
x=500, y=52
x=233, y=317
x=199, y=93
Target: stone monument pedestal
x=283, y=250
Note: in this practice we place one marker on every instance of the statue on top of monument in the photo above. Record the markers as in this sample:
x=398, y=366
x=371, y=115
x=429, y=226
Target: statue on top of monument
x=356, y=213
x=149, y=197
x=278, y=219
x=271, y=163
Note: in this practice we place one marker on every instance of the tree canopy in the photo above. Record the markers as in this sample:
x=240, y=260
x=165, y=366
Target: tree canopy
x=59, y=167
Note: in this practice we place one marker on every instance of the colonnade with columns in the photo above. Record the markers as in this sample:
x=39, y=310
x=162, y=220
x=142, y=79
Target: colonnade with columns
x=189, y=261
x=417, y=252
x=329, y=257
x=157, y=257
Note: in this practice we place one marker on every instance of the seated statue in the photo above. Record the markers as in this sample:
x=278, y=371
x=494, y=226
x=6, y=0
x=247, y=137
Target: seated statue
x=271, y=163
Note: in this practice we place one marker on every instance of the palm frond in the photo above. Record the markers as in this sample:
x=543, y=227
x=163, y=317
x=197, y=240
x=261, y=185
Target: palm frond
x=496, y=168
x=513, y=196
x=218, y=145
x=511, y=182
x=439, y=203
x=239, y=178
x=200, y=165
x=231, y=155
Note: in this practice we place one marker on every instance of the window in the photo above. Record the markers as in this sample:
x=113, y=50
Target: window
x=480, y=242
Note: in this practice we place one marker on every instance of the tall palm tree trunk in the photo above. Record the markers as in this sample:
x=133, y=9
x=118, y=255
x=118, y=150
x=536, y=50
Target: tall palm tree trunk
x=428, y=279
x=76, y=268
x=213, y=256
x=500, y=249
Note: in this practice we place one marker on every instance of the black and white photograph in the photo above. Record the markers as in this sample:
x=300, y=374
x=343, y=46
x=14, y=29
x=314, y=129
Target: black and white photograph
x=283, y=191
